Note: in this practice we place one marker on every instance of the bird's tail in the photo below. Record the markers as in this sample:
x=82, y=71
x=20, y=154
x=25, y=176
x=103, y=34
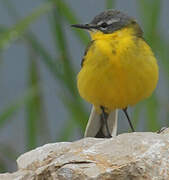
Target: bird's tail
x=94, y=124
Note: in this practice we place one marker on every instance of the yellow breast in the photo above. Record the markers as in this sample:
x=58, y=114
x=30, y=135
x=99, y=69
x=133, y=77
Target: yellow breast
x=119, y=70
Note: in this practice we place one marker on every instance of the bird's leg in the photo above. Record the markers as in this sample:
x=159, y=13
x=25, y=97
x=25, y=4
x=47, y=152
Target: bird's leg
x=100, y=133
x=104, y=117
x=125, y=111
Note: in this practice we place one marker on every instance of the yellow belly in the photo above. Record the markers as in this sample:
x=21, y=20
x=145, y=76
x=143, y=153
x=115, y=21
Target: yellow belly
x=117, y=75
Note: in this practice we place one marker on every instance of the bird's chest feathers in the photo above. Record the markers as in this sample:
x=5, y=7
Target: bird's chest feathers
x=110, y=51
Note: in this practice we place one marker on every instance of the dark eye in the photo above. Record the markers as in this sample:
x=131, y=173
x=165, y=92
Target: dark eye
x=104, y=25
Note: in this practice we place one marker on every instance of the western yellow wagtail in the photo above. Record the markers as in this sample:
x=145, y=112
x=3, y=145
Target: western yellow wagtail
x=118, y=70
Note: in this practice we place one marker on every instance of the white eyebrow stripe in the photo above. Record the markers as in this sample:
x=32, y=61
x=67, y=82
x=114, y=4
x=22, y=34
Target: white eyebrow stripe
x=111, y=21
x=99, y=22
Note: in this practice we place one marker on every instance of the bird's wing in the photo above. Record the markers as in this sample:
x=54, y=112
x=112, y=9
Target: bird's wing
x=86, y=50
x=94, y=124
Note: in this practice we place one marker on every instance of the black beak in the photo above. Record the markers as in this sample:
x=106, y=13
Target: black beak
x=84, y=26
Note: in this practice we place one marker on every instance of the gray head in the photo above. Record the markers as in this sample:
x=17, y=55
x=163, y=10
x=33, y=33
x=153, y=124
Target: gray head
x=108, y=22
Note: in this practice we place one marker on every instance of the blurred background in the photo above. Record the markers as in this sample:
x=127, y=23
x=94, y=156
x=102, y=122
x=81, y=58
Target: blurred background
x=40, y=56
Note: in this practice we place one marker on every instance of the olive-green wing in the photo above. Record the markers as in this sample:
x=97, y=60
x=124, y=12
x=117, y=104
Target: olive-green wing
x=87, y=48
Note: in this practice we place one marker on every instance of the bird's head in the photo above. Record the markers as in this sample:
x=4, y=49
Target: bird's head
x=108, y=22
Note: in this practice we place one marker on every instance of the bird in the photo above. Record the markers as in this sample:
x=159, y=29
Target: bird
x=118, y=70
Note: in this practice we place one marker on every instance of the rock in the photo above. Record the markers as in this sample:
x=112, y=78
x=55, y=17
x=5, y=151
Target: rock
x=19, y=175
x=129, y=156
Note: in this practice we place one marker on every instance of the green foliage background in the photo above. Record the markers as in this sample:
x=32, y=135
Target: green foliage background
x=61, y=68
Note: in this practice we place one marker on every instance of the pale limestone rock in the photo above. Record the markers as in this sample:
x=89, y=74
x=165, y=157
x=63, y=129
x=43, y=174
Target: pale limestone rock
x=130, y=156
x=19, y=175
